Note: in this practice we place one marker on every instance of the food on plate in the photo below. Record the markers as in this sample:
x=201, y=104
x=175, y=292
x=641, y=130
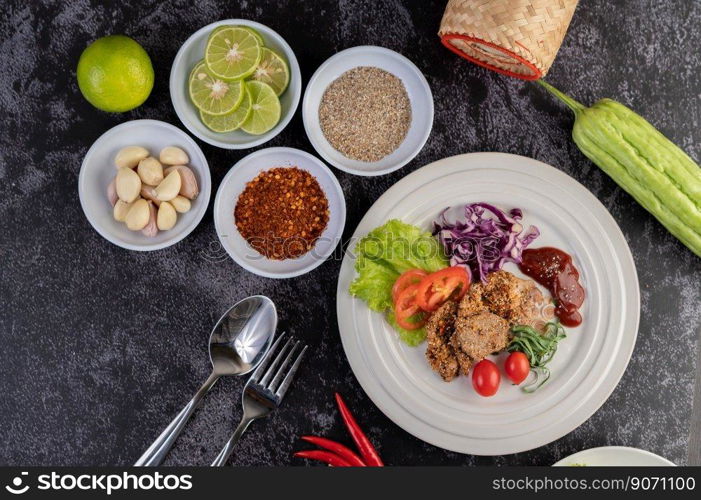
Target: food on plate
x=130, y=156
x=115, y=74
x=339, y=455
x=128, y=185
x=230, y=121
x=554, y=269
x=517, y=367
x=213, y=95
x=265, y=109
x=150, y=171
x=232, y=52
x=238, y=83
x=486, y=378
x=485, y=239
x=365, y=113
x=173, y=155
x=272, y=70
x=404, y=273
x=146, y=196
x=540, y=348
x=188, y=182
x=647, y=165
x=463, y=333
x=282, y=212
x=382, y=256
x=138, y=215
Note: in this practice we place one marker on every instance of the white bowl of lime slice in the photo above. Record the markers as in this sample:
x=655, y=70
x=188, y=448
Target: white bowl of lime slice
x=215, y=126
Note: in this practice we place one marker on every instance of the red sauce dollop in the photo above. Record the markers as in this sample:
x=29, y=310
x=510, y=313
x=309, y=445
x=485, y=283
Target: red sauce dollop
x=554, y=269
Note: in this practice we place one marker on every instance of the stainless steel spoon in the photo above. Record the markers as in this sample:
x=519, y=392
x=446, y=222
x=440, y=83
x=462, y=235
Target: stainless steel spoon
x=238, y=342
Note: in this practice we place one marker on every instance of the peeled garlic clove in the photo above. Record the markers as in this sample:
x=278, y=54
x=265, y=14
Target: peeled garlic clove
x=173, y=155
x=138, y=215
x=181, y=204
x=130, y=156
x=112, y=192
x=149, y=193
x=189, y=188
x=167, y=217
x=169, y=187
x=151, y=228
x=128, y=184
x=150, y=171
x=120, y=210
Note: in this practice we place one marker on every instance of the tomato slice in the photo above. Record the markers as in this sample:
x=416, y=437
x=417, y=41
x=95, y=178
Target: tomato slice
x=410, y=277
x=405, y=307
x=436, y=288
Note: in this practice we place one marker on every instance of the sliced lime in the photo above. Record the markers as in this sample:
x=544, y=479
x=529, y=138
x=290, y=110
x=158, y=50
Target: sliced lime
x=214, y=95
x=230, y=121
x=247, y=28
x=265, y=112
x=255, y=34
x=232, y=53
x=272, y=69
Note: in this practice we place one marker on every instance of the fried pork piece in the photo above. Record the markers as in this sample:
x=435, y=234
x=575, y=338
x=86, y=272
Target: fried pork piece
x=479, y=335
x=439, y=331
x=517, y=301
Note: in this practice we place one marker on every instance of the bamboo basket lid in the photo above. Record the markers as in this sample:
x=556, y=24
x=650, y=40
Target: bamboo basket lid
x=519, y=38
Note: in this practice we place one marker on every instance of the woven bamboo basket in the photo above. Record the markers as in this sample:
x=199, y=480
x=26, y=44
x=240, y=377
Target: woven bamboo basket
x=519, y=38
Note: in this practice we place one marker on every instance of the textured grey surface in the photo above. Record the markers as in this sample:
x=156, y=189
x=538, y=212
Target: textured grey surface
x=100, y=347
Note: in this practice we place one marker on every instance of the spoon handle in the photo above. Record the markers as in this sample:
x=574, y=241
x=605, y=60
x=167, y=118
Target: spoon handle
x=157, y=452
x=225, y=453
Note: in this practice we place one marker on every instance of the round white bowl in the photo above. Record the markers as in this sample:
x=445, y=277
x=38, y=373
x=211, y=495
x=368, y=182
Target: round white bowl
x=419, y=95
x=233, y=185
x=98, y=170
x=192, y=51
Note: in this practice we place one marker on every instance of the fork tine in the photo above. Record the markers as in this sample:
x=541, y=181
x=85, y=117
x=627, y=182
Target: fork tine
x=264, y=363
x=283, y=367
x=271, y=370
x=290, y=375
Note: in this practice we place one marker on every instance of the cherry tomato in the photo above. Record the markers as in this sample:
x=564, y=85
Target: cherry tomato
x=410, y=277
x=517, y=367
x=486, y=378
x=442, y=285
x=406, y=311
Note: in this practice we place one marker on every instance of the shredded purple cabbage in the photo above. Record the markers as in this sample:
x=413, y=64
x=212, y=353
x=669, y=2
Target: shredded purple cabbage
x=484, y=241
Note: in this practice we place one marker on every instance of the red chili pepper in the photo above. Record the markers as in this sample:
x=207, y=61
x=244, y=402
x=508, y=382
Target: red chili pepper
x=342, y=451
x=323, y=456
x=367, y=450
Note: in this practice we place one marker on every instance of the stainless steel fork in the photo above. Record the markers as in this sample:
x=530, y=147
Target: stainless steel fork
x=265, y=389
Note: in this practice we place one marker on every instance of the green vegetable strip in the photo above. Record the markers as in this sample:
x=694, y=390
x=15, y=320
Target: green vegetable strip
x=659, y=175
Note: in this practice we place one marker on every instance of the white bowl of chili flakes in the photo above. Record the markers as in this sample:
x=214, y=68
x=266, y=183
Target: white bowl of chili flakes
x=267, y=217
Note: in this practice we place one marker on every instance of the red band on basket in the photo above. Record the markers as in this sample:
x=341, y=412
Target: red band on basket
x=536, y=73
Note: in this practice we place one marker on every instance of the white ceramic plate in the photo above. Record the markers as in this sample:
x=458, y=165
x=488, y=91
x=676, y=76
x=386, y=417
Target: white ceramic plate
x=416, y=86
x=589, y=363
x=614, y=456
x=233, y=185
x=192, y=51
x=98, y=170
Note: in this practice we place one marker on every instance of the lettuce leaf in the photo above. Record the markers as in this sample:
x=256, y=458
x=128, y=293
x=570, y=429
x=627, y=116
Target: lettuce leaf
x=385, y=253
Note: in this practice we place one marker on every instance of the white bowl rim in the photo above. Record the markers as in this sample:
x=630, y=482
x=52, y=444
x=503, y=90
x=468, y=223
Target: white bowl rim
x=338, y=234
x=295, y=72
x=424, y=83
x=203, y=197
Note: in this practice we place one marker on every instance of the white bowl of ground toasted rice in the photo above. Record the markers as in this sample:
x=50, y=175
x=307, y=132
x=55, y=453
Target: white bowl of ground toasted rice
x=417, y=131
x=235, y=183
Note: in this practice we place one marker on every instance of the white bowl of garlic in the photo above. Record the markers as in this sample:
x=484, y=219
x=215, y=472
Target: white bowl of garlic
x=144, y=185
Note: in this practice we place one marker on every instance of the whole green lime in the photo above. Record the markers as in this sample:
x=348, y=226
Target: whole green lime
x=115, y=73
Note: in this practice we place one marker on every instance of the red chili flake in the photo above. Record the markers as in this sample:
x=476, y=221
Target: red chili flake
x=282, y=212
